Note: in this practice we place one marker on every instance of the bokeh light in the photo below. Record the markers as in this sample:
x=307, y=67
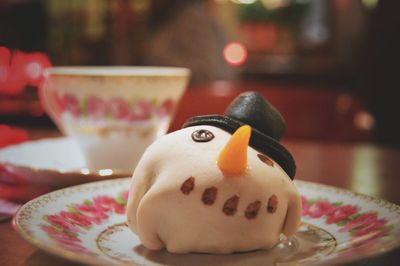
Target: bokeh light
x=244, y=2
x=370, y=3
x=235, y=53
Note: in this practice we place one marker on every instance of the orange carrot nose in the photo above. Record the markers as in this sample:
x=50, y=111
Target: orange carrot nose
x=232, y=159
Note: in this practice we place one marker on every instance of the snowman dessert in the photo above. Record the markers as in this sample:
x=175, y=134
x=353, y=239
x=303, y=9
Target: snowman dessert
x=221, y=184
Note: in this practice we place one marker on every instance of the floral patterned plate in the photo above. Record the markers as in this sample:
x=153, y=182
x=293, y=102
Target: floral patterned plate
x=86, y=223
x=53, y=162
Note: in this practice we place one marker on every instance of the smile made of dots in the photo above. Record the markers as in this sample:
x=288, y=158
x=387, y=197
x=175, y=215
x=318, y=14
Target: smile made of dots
x=230, y=206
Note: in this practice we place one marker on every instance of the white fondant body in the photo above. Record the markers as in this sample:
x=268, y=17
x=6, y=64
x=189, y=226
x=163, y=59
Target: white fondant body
x=162, y=216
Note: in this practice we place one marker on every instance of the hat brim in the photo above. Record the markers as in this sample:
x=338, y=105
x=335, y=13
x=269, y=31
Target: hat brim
x=259, y=141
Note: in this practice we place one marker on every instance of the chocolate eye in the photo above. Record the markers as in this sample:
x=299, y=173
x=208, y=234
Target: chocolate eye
x=202, y=135
x=265, y=159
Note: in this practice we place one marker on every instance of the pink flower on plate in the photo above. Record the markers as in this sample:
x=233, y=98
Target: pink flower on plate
x=66, y=227
x=119, y=108
x=97, y=107
x=108, y=204
x=76, y=219
x=341, y=213
x=125, y=195
x=94, y=213
x=66, y=240
x=363, y=224
x=373, y=229
x=304, y=203
x=62, y=223
x=141, y=111
x=122, y=198
x=165, y=108
x=69, y=103
x=320, y=208
x=59, y=234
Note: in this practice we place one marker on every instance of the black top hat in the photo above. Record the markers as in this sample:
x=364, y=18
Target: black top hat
x=268, y=126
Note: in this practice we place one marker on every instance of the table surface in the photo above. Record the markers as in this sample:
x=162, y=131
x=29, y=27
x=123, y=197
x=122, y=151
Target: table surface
x=360, y=167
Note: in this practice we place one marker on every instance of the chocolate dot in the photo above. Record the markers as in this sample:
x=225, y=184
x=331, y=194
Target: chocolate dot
x=272, y=204
x=209, y=195
x=265, y=159
x=252, y=209
x=188, y=185
x=202, y=135
x=230, y=205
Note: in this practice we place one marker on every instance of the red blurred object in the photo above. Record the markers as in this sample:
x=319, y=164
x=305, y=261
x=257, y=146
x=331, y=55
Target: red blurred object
x=10, y=177
x=14, y=186
x=5, y=56
x=11, y=135
x=30, y=66
x=21, y=193
x=260, y=37
x=19, y=69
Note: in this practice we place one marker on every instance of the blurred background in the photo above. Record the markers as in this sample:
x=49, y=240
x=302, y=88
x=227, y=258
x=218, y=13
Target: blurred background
x=330, y=66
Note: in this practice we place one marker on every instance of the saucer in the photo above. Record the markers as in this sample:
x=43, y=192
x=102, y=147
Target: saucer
x=55, y=162
x=87, y=224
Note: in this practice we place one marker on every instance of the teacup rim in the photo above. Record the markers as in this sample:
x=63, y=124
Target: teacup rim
x=118, y=71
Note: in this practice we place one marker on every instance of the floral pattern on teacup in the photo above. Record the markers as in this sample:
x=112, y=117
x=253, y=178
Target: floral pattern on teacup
x=97, y=108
